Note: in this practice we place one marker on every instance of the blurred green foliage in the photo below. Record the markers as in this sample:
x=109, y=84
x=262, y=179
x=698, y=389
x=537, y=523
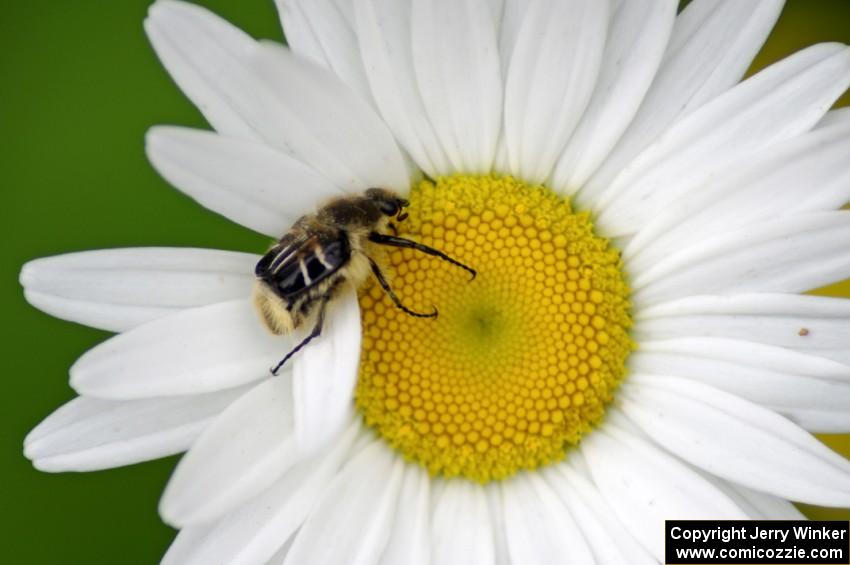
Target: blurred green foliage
x=80, y=85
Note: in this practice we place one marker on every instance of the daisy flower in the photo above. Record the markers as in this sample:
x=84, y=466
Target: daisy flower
x=635, y=347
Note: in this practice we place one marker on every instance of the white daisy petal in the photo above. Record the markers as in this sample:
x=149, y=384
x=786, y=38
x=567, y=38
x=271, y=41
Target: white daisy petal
x=646, y=486
x=737, y=440
x=118, y=289
x=193, y=541
x=325, y=373
x=511, y=13
x=752, y=512
x=185, y=543
x=783, y=380
x=249, y=183
x=461, y=526
x=768, y=507
x=510, y=16
x=332, y=128
x=763, y=359
x=384, y=31
x=821, y=420
x=780, y=255
x=254, y=532
x=637, y=35
x=806, y=323
x=203, y=64
x=838, y=117
x=352, y=522
x=194, y=351
x=88, y=434
x=241, y=454
x=501, y=165
x=804, y=174
x=109, y=317
x=409, y=540
x=456, y=60
x=812, y=324
x=757, y=505
x=539, y=528
x=578, y=462
x=493, y=491
x=323, y=31
x=280, y=555
x=286, y=101
x=782, y=101
x=711, y=46
x=608, y=540
x=554, y=67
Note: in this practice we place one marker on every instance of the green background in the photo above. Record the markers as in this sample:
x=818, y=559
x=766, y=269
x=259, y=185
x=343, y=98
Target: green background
x=80, y=85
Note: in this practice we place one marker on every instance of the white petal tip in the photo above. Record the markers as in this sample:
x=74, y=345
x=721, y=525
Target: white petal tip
x=181, y=511
x=46, y=462
x=161, y=6
x=35, y=270
x=161, y=132
x=175, y=513
x=152, y=135
x=45, y=466
x=156, y=141
x=33, y=298
x=63, y=464
x=78, y=379
x=30, y=448
x=169, y=514
x=33, y=442
x=86, y=383
x=28, y=272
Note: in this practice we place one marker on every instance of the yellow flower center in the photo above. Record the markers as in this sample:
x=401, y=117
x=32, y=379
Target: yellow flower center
x=521, y=361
